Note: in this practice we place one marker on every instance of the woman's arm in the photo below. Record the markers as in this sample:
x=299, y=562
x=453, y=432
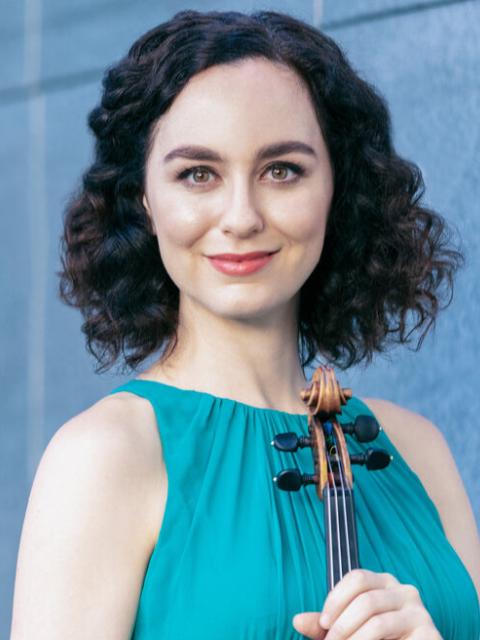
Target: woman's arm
x=91, y=524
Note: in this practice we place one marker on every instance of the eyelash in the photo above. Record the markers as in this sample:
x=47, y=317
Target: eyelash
x=297, y=169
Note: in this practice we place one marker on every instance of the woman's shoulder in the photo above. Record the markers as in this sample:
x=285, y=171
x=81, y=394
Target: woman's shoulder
x=95, y=509
x=425, y=450
x=118, y=430
x=411, y=433
x=421, y=445
x=112, y=449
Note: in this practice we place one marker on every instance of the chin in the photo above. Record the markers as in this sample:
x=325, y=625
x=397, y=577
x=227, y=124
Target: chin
x=246, y=308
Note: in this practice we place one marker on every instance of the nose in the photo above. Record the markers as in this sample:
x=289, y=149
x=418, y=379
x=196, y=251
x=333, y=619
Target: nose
x=241, y=213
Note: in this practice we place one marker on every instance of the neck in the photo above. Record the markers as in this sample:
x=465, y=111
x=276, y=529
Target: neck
x=254, y=361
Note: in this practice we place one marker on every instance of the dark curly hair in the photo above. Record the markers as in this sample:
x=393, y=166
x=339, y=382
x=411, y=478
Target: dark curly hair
x=387, y=263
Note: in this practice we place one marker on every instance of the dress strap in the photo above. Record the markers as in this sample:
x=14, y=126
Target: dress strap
x=144, y=388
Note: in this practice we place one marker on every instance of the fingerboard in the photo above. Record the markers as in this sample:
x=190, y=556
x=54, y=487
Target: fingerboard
x=341, y=543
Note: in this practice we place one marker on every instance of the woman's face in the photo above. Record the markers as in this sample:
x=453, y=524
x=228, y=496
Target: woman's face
x=238, y=188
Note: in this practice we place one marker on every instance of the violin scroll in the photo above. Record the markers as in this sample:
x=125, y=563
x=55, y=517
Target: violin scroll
x=325, y=397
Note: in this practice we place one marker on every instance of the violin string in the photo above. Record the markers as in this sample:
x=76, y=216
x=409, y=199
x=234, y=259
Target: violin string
x=341, y=474
x=329, y=528
x=337, y=519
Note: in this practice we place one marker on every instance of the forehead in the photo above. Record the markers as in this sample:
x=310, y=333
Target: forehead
x=252, y=98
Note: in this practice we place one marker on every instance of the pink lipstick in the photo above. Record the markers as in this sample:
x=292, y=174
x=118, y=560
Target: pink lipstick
x=241, y=264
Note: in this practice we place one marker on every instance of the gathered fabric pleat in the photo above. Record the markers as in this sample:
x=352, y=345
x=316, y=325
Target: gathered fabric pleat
x=236, y=558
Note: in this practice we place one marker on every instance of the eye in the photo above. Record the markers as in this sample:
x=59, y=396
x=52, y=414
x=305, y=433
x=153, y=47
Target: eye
x=200, y=175
x=284, y=172
x=195, y=176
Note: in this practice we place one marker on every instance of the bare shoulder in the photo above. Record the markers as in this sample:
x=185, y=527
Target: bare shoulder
x=412, y=435
x=113, y=449
x=112, y=445
x=424, y=449
x=118, y=430
x=92, y=520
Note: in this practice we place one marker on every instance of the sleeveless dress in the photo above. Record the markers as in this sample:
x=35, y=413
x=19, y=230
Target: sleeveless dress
x=237, y=558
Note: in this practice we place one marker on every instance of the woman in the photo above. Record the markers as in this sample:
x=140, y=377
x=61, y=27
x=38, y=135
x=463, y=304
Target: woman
x=245, y=212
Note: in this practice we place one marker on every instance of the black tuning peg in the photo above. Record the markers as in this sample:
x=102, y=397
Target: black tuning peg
x=290, y=441
x=293, y=479
x=373, y=459
x=365, y=428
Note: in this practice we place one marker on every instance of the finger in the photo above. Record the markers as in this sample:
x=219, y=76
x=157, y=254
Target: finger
x=365, y=606
x=308, y=624
x=397, y=615
x=351, y=586
x=386, y=626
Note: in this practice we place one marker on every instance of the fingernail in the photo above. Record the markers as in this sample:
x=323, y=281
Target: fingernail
x=325, y=620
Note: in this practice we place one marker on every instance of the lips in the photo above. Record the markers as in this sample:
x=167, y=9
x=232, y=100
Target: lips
x=241, y=264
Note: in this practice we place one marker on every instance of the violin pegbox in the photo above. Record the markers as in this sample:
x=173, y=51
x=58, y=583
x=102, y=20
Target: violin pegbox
x=324, y=401
x=332, y=467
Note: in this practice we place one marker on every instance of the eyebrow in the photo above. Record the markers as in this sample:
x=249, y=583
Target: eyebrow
x=282, y=148
x=193, y=153
x=204, y=154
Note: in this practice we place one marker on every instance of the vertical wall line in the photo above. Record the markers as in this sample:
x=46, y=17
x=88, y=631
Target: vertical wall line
x=317, y=13
x=38, y=236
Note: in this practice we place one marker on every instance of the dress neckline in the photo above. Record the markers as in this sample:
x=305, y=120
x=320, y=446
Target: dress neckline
x=246, y=406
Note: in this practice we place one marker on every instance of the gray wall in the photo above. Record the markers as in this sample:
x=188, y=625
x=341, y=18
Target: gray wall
x=425, y=58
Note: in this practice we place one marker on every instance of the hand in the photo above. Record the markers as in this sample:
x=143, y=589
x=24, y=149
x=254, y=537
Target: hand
x=369, y=606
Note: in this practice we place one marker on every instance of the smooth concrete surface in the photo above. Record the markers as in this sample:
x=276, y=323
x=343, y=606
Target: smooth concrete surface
x=423, y=55
x=96, y=44
x=427, y=65
x=336, y=11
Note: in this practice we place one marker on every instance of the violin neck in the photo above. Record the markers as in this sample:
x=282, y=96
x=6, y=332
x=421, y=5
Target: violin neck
x=341, y=542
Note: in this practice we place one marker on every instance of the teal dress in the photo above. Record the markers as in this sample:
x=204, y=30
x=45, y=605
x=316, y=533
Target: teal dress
x=237, y=558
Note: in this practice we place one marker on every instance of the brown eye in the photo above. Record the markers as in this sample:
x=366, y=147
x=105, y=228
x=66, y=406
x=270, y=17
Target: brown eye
x=287, y=172
x=200, y=175
x=279, y=173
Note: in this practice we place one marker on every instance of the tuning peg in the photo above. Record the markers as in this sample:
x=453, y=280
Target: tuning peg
x=365, y=428
x=290, y=441
x=373, y=459
x=293, y=479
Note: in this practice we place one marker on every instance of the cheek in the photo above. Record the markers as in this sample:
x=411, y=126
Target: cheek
x=307, y=221
x=178, y=227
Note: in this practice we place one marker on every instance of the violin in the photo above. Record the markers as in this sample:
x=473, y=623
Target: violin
x=332, y=467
